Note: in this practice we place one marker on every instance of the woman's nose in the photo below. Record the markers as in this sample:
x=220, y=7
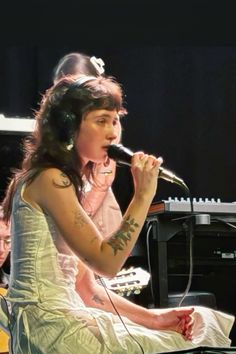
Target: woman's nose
x=112, y=133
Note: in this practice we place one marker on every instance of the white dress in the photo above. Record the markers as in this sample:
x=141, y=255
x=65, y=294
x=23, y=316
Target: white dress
x=48, y=316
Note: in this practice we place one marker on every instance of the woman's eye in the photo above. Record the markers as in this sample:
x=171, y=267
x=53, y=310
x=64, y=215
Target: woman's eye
x=115, y=122
x=101, y=121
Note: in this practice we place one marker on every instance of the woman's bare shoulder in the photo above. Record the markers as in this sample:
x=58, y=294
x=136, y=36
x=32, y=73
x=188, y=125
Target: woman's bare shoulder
x=53, y=176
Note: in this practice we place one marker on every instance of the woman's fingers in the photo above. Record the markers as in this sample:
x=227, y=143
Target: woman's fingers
x=186, y=326
x=146, y=161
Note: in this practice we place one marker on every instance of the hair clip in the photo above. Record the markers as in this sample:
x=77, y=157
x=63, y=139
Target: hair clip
x=98, y=63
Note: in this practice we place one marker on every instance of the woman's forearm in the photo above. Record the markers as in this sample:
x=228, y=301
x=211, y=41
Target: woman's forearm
x=116, y=249
x=98, y=298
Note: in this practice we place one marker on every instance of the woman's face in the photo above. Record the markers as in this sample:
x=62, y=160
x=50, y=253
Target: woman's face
x=5, y=242
x=99, y=129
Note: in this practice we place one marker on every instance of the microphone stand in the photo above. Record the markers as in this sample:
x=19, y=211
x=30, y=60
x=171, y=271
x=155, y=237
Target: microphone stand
x=188, y=226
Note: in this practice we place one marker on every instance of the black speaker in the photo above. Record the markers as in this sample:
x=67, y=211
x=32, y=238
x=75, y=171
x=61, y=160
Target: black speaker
x=11, y=154
x=13, y=130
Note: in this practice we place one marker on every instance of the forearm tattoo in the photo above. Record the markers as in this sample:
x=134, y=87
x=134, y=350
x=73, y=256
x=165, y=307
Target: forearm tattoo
x=79, y=219
x=64, y=182
x=98, y=300
x=121, y=238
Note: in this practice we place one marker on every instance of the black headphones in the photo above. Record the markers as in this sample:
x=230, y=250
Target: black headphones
x=64, y=120
x=81, y=81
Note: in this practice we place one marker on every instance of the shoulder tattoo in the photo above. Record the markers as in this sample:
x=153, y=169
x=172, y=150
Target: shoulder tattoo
x=62, y=182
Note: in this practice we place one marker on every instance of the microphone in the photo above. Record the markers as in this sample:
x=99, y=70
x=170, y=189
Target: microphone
x=123, y=155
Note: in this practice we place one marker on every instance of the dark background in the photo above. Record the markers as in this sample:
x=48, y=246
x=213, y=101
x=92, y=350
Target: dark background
x=180, y=99
x=176, y=61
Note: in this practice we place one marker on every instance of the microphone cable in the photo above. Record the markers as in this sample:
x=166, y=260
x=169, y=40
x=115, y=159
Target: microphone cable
x=149, y=225
x=188, y=228
x=114, y=307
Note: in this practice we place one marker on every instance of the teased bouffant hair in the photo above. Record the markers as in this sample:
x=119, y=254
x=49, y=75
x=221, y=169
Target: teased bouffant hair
x=74, y=64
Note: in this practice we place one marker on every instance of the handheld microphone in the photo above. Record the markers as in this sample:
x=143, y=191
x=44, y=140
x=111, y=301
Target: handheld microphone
x=123, y=155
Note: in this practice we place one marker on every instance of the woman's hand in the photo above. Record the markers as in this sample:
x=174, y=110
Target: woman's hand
x=173, y=319
x=145, y=170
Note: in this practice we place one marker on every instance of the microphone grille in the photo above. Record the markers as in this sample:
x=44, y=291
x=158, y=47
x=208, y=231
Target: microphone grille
x=120, y=153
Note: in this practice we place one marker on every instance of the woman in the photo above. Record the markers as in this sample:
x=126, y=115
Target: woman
x=77, y=122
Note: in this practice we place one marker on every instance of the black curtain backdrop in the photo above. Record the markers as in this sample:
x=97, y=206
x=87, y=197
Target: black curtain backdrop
x=177, y=63
x=181, y=102
x=182, y=105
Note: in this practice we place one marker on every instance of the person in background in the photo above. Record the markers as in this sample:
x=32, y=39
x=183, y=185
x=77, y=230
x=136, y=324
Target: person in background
x=99, y=200
x=76, y=123
x=5, y=245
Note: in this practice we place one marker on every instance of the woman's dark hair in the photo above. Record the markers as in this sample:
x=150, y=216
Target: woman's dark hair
x=57, y=121
x=75, y=64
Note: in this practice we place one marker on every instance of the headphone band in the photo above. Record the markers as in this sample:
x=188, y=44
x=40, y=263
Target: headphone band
x=83, y=80
x=79, y=83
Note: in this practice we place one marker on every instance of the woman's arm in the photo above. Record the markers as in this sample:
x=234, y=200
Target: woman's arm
x=94, y=295
x=52, y=192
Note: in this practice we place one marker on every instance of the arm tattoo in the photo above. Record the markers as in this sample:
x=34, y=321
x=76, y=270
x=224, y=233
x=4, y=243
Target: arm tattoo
x=86, y=261
x=79, y=219
x=121, y=237
x=97, y=299
x=63, y=182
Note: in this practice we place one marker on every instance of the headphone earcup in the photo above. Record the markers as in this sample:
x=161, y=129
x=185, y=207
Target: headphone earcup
x=63, y=123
